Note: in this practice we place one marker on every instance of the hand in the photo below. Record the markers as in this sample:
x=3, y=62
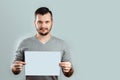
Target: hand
x=66, y=66
x=17, y=66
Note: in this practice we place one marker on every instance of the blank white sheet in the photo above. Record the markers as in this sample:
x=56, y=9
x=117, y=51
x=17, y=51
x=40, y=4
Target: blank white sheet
x=42, y=63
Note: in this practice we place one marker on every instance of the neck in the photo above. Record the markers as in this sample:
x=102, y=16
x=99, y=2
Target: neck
x=43, y=39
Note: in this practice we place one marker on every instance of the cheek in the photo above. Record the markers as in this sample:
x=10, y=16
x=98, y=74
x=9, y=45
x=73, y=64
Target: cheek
x=37, y=27
x=50, y=26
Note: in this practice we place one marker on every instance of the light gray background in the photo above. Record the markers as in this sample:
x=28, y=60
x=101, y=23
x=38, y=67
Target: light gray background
x=91, y=28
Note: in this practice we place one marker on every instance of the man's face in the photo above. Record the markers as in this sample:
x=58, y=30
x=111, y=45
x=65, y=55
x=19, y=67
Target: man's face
x=43, y=24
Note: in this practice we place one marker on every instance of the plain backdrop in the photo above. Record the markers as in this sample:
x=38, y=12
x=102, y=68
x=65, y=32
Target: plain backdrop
x=90, y=27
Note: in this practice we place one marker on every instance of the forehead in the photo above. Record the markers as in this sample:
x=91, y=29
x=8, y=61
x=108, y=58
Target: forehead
x=46, y=16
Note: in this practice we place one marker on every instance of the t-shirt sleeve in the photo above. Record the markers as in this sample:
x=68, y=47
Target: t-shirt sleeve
x=66, y=53
x=20, y=52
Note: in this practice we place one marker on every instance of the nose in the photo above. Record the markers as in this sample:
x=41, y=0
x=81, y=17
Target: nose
x=43, y=24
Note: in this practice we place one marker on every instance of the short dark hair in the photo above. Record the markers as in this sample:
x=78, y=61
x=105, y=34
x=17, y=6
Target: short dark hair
x=42, y=11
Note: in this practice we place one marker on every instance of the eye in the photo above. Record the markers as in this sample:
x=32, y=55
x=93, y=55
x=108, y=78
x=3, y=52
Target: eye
x=47, y=22
x=40, y=22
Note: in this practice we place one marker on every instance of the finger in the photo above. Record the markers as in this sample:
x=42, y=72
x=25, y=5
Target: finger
x=66, y=70
x=19, y=69
x=64, y=64
x=18, y=65
x=20, y=62
x=23, y=63
x=17, y=62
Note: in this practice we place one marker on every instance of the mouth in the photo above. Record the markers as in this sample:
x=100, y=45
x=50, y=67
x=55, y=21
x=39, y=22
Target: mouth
x=43, y=29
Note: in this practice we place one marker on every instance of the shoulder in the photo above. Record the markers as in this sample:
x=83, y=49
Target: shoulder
x=58, y=39
x=26, y=40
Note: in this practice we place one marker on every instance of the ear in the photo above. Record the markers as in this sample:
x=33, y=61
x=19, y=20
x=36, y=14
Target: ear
x=52, y=22
x=35, y=23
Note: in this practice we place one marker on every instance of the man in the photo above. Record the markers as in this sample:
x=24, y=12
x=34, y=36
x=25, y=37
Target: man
x=43, y=41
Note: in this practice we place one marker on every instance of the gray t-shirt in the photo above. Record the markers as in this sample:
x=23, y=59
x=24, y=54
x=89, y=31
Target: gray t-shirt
x=33, y=44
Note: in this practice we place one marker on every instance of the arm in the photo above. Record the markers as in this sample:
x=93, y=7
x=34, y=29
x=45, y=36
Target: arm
x=66, y=62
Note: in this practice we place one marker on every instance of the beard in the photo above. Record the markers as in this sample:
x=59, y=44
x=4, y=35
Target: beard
x=41, y=31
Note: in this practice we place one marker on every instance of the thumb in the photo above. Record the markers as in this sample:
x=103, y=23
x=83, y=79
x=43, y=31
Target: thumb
x=22, y=62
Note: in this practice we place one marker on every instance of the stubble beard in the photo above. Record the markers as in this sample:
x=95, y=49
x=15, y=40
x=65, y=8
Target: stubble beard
x=44, y=34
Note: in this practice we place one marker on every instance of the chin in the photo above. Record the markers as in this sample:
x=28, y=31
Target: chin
x=43, y=34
